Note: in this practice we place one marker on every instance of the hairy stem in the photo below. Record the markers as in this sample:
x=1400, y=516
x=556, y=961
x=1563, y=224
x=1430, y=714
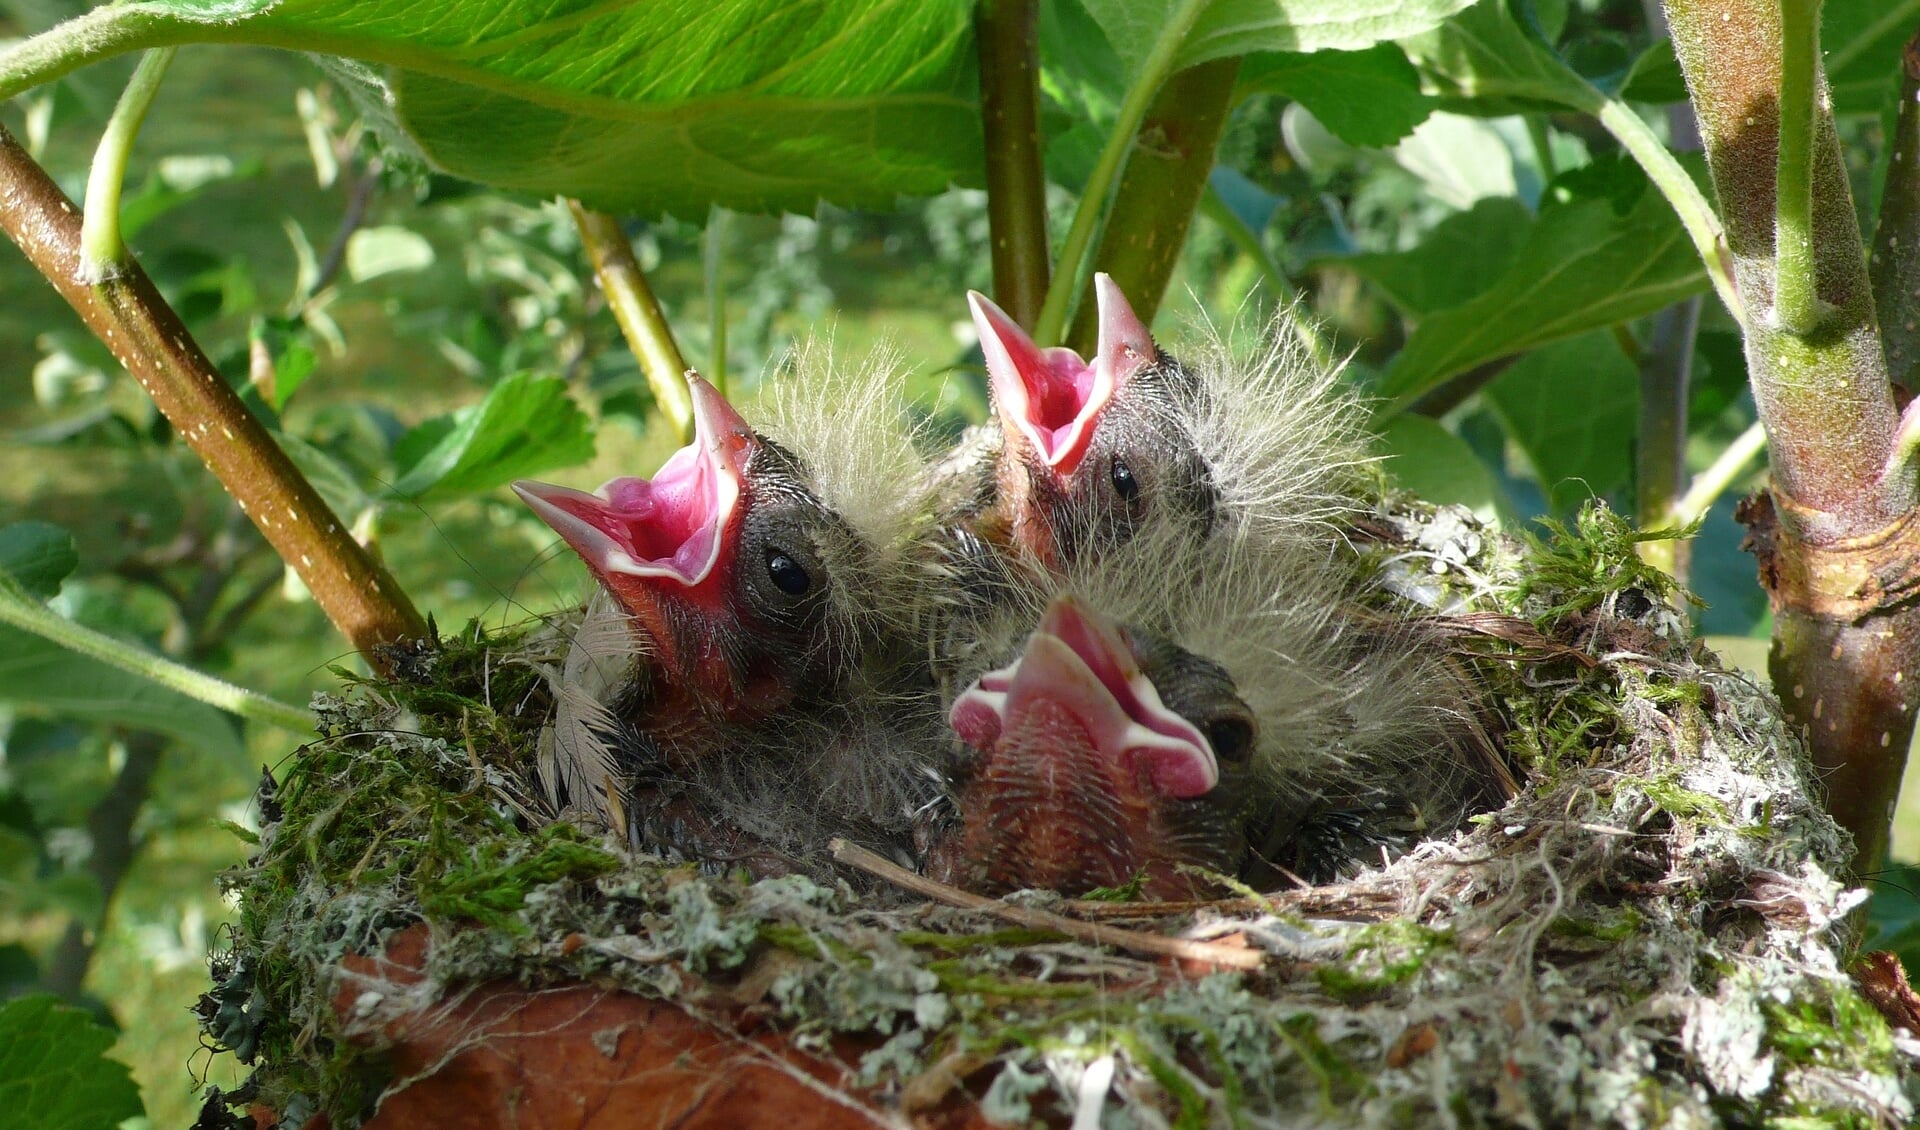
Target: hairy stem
x=641, y=320
x=1895, y=266
x=1837, y=537
x=1165, y=179
x=1796, y=301
x=32, y=616
x=1075, y=253
x=101, y=249
x=1009, y=39
x=64, y=48
x=128, y=314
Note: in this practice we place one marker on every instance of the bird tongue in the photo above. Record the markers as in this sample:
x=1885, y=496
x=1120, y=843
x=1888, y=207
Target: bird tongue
x=1077, y=664
x=674, y=526
x=1055, y=396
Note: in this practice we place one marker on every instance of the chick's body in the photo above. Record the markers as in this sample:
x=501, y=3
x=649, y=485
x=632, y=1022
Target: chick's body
x=790, y=700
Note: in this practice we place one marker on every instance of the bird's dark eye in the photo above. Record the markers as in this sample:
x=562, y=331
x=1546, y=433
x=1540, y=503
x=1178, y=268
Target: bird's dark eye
x=1123, y=480
x=787, y=574
x=1231, y=739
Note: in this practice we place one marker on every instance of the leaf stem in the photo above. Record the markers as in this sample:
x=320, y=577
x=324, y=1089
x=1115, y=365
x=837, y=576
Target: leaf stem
x=1008, y=32
x=638, y=312
x=1248, y=241
x=65, y=48
x=1660, y=456
x=102, y=253
x=1695, y=212
x=128, y=314
x=1076, y=252
x=1796, y=299
x=1542, y=138
x=1721, y=474
x=29, y=615
x=714, y=250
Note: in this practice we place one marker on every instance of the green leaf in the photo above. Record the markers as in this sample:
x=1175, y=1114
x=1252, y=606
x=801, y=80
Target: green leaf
x=38, y=556
x=1862, y=40
x=1437, y=465
x=289, y=342
x=54, y=1070
x=1573, y=408
x=527, y=424
x=1655, y=76
x=40, y=675
x=1369, y=98
x=654, y=107
x=1487, y=61
x=1606, y=248
x=1460, y=159
x=1462, y=256
x=1237, y=27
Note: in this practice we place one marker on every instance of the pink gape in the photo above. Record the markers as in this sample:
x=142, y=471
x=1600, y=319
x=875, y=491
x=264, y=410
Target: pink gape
x=1077, y=664
x=1053, y=395
x=674, y=527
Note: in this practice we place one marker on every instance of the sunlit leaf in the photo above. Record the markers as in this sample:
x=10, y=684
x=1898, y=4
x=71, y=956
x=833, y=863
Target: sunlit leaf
x=1487, y=60
x=651, y=108
x=372, y=252
x=54, y=1069
x=527, y=424
x=1240, y=27
x=1369, y=98
x=1610, y=251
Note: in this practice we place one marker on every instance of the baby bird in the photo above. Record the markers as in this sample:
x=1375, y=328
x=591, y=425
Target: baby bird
x=1238, y=711
x=1099, y=756
x=743, y=684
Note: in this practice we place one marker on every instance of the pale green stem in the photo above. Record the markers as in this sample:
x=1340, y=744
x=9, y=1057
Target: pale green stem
x=1796, y=300
x=31, y=616
x=101, y=251
x=1248, y=241
x=64, y=48
x=1696, y=214
x=1076, y=254
x=1542, y=139
x=1710, y=484
x=716, y=252
x=638, y=314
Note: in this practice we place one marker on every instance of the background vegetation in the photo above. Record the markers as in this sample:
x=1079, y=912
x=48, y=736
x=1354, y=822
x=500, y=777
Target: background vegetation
x=1489, y=259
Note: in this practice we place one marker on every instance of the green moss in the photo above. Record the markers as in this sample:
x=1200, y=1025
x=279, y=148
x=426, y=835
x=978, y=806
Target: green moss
x=491, y=883
x=1573, y=571
x=1626, y=922
x=1840, y=1030
x=1381, y=957
x=1676, y=800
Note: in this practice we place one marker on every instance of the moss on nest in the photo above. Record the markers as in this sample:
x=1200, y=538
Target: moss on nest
x=1650, y=934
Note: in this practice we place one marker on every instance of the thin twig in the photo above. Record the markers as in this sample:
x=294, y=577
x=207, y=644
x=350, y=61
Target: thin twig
x=715, y=255
x=1231, y=957
x=101, y=250
x=1710, y=484
x=638, y=312
x=129, y=315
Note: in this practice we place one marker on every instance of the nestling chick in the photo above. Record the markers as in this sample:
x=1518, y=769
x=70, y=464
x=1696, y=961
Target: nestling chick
x=744, y=683
x=1101, y=754
x=1331, y=712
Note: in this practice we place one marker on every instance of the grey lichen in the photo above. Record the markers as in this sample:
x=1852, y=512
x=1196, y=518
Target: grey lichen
x=1651, y=933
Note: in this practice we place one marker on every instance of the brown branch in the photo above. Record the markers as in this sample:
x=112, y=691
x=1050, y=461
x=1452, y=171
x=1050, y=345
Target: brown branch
x=128, y=314
x=1895, y=266
x=1227, y=957
x=1009, y=37
x=1160, y=190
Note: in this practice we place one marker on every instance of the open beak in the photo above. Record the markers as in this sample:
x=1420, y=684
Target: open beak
x=1079, y=664
x=1054, y=396
x=671, y=527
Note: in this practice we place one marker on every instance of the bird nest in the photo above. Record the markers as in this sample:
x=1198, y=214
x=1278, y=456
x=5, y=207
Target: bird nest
x=1652, y=932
